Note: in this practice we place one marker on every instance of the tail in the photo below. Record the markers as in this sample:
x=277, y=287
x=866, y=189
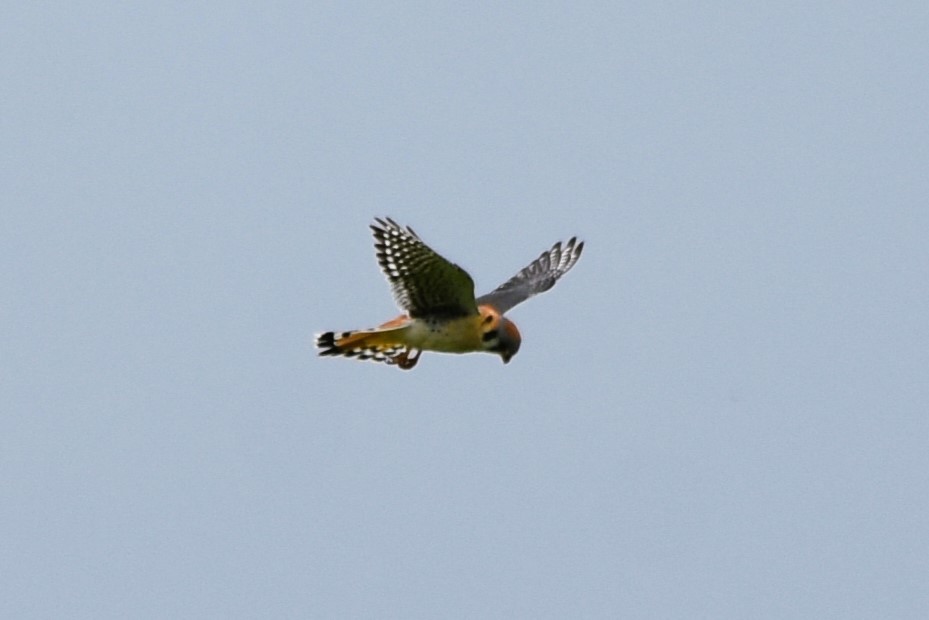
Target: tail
x=379, y=345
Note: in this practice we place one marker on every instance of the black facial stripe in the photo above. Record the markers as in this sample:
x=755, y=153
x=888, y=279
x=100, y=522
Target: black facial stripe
x=491, y=335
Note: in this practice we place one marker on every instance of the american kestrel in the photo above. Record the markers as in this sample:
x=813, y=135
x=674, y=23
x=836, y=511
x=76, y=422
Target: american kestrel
x=440, y=310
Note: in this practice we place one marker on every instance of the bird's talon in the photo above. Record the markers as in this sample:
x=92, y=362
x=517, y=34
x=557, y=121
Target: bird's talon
x=404, y=361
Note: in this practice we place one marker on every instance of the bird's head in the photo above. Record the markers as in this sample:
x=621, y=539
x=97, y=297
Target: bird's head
x=499, y=334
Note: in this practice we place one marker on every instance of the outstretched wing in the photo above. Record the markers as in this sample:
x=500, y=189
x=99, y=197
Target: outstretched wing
x=539, y=276
x=423, y=283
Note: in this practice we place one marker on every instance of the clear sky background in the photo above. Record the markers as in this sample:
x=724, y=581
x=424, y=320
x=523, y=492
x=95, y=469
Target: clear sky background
x=721, y=412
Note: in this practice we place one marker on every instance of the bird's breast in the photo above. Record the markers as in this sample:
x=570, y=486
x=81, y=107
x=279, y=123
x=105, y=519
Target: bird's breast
x=457, y=335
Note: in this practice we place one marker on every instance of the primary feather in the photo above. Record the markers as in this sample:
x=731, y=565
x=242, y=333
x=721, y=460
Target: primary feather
x=537, y=277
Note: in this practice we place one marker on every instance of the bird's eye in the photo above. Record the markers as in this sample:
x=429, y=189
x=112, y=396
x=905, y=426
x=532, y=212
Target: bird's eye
x=491, y=335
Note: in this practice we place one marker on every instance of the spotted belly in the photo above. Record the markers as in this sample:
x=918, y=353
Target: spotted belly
x=459, y=335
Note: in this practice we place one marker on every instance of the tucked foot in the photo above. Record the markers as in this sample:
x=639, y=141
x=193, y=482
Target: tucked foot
x=404, y=361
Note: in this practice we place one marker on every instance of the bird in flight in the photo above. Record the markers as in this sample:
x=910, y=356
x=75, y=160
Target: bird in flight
x=441, y=312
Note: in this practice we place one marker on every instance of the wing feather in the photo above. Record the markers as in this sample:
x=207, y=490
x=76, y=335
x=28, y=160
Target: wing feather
x=537, y=277
x=423, y=283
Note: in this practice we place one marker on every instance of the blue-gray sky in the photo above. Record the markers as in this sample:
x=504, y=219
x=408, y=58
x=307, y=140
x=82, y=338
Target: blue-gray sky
x=720, y=413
